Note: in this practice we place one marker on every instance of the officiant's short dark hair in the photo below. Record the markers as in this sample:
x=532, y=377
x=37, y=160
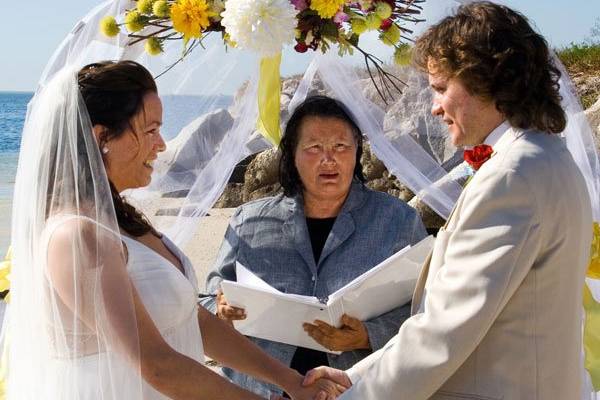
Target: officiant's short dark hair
x=313, y=106
x=496, y=54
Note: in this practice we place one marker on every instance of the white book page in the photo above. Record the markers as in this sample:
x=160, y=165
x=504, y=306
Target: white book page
x=276, y=316
x=386, y=286
x=250, y=279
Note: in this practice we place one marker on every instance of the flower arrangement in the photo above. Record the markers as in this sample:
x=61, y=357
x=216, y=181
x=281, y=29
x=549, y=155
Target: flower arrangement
x=265, y=26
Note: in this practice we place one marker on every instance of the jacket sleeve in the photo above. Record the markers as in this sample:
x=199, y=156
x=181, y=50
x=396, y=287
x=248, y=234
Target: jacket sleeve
x=224, y=267
x=489, y=251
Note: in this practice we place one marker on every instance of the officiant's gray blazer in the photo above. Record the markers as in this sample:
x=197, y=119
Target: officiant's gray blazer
x=498, y=305
x=270, y=237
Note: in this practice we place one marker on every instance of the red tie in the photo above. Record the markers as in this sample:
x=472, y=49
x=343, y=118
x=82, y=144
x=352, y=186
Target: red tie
x=478, y=155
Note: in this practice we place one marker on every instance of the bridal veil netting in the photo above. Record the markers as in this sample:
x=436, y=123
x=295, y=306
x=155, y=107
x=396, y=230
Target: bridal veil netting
x=217, y=129
x=72, y=310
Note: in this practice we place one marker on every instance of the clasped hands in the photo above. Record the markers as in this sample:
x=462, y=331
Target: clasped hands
x=322, y=383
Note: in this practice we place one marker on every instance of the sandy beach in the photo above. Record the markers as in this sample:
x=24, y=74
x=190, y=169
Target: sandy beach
x=203, y=247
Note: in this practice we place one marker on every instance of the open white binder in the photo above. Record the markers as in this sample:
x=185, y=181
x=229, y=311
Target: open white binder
x=278, y=316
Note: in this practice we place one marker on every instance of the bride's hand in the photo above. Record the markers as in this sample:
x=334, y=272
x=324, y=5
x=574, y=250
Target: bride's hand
x=322, y=389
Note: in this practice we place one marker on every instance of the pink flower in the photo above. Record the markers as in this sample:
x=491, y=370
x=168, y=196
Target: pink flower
x=300, y=5
x=340, y=17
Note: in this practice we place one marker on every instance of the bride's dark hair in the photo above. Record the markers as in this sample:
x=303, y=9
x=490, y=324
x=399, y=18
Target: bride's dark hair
x=113, y=93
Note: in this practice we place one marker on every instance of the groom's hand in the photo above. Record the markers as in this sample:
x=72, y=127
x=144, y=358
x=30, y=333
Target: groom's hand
x=352, y=335
x=335, y=375
x=320, y=389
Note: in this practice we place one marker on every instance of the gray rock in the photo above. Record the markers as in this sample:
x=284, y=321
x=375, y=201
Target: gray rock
x=264, y=191
x=431, y=219
x=410, y=114
x=196, y=144
x=593, y=115
x=232, y=196
x=262, y=171
x=373, y=168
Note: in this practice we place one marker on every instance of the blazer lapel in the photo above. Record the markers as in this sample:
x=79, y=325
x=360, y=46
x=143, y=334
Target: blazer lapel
x=420, y=286
x=296, y=231
x=505, y=140
x=344, y=225
x=340, y=232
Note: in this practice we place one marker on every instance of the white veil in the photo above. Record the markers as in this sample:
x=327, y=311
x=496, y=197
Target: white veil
x=71, y=326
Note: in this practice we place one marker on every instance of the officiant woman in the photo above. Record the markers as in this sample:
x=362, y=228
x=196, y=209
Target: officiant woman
x=326, y=229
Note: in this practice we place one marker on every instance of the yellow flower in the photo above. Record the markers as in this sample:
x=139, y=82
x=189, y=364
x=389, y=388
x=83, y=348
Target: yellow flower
x=383, y=10
x=134, y=21
x=402, y=55
x=161, y=9
x=108, y=26
x=358, y=25
x=145, y=6
x=391, y=36
x=373, y=21
x=326, y=8
x=153, y=46
x=191, y=17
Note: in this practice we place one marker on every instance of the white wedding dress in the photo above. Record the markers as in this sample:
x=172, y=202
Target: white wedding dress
x=170, y=298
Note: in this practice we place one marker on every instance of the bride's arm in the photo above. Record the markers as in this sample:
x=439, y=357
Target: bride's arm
x=227, y=346
x=89, y=280
x=174, y=374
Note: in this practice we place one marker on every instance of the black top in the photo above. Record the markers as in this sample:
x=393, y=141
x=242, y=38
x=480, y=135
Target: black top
x=318, y=230
x=306, y=359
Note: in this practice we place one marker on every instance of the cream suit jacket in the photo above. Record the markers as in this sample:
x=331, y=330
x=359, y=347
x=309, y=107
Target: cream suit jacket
x=498, y=304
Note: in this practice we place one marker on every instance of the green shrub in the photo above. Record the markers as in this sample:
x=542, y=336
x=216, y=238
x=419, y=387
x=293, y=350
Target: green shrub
x=581, y=58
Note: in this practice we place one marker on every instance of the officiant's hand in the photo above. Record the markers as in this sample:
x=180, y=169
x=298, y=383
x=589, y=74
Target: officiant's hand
x=226, y=311
x=352, y=335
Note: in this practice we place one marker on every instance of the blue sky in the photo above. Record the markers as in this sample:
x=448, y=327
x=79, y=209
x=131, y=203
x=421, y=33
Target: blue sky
x=32, y=30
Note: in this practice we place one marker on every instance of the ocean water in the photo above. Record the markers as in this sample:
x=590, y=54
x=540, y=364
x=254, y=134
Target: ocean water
x=13, y=107
x=178, y=112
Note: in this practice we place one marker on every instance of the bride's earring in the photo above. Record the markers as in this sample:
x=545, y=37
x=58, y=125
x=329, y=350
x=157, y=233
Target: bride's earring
x=105, y=150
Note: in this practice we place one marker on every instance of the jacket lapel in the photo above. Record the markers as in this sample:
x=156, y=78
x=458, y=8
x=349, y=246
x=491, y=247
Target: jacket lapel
x=296, y=232
x=505, y=140
x=344, y=225
x=342, y=229
x=420, y=286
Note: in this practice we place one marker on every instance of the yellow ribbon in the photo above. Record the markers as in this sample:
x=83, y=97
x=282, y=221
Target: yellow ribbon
x=5, y=267
x=591, y=337
x=591, y=329
x=594, y=267
x=269, y=93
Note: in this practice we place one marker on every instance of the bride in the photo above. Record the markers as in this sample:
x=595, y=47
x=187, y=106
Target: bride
x=103, y=306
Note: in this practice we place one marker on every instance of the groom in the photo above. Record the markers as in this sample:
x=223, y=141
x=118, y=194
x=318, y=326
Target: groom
x=497, y=309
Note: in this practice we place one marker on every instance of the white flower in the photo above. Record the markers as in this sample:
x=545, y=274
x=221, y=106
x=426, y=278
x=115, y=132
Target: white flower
x=263, y=26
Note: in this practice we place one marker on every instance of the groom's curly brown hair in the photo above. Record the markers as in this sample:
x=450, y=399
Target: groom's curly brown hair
x=498, y=56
